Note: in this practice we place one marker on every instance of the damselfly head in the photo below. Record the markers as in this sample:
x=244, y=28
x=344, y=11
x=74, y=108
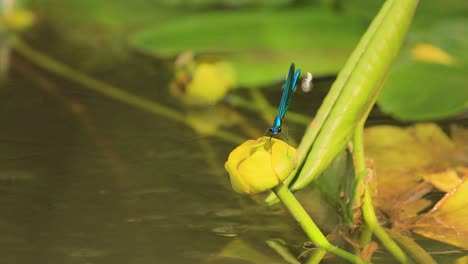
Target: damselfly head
x=274, y=130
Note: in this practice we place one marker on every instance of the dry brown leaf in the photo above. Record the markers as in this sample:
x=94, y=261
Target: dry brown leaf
x=448, y=220
x=412, y=209
x=403, y=156
x=445, y=180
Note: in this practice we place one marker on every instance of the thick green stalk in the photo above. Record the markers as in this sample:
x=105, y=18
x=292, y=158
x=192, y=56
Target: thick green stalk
x=359, y=84
x=308, y=225
x=353, y=93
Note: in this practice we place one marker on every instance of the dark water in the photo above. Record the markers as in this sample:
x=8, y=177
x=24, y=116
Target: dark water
x=86, y=179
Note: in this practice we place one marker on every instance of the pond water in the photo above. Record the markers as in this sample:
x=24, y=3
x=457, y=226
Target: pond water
x=87, y=179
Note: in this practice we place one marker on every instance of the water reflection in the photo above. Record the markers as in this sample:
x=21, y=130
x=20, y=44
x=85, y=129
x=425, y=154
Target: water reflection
x=85, y=179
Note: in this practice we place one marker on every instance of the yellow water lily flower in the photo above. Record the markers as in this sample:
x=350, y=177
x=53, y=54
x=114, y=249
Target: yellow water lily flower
x=259, y=165
x=202, y=82
x=210, y=82
x=17, y=20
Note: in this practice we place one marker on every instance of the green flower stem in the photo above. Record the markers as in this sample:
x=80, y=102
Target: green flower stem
x=379, y=231
x=367, y=207
x=141, y=103
x=308, y=225
x=317, y=256
x=366, y=234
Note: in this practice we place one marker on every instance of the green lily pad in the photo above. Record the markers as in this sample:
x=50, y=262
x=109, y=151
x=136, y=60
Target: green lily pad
x=260, y=44
x=222, y=3
x=433, y=85
x=100, y=15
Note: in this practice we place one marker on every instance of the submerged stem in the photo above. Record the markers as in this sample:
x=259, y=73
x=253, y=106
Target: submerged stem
x=310, y=228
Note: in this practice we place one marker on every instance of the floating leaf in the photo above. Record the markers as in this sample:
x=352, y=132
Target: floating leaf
x=99, y=15
x=430, y=81
x=413, y=208
x=447, y=220
x=223, y=3
x=404, y=156
x=462, y=260
x=444, y=181
x=258, y=42
x=460, y=137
